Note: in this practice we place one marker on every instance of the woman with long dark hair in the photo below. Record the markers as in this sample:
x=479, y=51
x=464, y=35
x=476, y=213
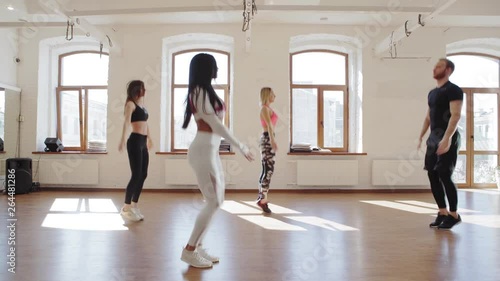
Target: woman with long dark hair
x=138, y=144
x=203, y=155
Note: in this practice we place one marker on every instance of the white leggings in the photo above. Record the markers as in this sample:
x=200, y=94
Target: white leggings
x=203, y=157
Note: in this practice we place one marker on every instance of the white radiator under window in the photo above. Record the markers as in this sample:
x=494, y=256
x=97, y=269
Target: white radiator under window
x=66, y=171
x=327, y=172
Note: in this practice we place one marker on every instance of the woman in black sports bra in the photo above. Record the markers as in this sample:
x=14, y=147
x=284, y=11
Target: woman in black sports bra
x=138, y=144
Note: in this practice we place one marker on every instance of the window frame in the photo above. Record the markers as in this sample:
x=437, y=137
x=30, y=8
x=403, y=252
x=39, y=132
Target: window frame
x=470, y=151
x=173, y=86
x=83, y=93
x=321, y=88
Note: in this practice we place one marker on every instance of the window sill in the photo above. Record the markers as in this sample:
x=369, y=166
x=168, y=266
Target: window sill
x=185, y=153
x=71, y=152
x=317, y=153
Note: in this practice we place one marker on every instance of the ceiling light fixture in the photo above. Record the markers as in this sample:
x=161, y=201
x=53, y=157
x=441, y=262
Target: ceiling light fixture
x=10, y=8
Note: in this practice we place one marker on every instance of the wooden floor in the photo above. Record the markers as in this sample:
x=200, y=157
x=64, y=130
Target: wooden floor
x=72, y=236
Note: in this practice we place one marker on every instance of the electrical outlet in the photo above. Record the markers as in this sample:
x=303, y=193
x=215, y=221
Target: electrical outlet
x=21, y=118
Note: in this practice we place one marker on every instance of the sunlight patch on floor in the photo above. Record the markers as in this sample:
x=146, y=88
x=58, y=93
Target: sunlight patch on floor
x=491, y=221
x=277, y=209
x=234, y=207
x=400, y=206
x=323, y=223
x=483, y=191
x=84, y=214
x=65, y=205
x=271, y=223
x=433, y=206
x=101, y=205
x=84, y=221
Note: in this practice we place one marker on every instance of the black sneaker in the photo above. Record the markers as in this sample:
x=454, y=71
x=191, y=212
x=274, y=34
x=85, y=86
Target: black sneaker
x=449, y=222
x=263, y=206
x=439, y=219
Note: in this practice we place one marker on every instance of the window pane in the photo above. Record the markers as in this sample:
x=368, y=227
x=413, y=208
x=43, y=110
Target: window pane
x=220, y=94
x=459, y=175
x=84, y=69
x=485, y=122
x=98, y=116
x=484, y=168
x=182, y=61
x=462, y=125
x=305, y=116
x=70, y=117
x=333, y=119
x=182, y=138
x=319, y=68
x=475, y=71
x=2, y=114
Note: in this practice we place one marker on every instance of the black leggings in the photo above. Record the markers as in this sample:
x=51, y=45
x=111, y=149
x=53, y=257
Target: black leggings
x=440, y=169
x=138, y=157
x=267, y=156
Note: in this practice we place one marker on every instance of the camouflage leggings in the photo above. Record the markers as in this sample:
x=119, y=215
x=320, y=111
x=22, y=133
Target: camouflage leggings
x=267, y=156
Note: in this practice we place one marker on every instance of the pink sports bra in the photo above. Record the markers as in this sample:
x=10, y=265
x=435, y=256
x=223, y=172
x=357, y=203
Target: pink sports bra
x=274, y=118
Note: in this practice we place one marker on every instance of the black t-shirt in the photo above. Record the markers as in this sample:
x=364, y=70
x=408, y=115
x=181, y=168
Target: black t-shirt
x=439, y=106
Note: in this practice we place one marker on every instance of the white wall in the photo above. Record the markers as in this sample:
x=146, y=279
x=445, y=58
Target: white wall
x=394, y=95
x=8, y=51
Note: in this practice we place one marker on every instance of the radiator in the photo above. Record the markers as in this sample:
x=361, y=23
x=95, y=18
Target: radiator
x=399, y=172
x=66, y=171
x=327, y=172
x=178, y=172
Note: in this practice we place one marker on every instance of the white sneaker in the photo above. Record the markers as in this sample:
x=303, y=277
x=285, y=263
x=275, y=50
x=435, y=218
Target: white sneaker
x=129, y=215
x=203, y=253
x=194, y=259
x=138, y=213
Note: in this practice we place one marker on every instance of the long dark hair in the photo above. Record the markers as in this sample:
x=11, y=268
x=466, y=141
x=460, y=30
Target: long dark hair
x=202, y=70
x=134, y=88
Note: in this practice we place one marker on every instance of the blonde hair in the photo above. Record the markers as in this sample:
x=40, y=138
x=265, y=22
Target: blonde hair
x=265, y=95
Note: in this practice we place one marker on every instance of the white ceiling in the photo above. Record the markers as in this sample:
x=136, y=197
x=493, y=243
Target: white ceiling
x=467, y=13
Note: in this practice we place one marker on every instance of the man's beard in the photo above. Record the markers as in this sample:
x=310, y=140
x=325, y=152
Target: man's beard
x=440, y=75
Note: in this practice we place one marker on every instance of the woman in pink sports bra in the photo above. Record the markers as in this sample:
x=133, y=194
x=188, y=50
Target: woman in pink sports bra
x=268, y=146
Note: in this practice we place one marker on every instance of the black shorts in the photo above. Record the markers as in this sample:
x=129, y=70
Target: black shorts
x=444, y=162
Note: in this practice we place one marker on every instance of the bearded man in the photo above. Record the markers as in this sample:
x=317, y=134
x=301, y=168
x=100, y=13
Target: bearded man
x=443, y=143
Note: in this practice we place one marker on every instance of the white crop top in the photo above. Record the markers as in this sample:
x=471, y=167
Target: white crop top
x=203, y=110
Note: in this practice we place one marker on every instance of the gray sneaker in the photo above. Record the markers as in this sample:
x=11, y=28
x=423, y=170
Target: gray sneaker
x=194, y=259
x=138, y=213
x=129, y=215
x=204, y=254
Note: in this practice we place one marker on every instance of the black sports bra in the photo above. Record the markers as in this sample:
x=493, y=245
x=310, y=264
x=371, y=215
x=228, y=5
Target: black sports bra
x=139, y=114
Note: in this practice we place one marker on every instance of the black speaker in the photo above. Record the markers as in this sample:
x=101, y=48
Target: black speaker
x=53, y=145
x=18, y=175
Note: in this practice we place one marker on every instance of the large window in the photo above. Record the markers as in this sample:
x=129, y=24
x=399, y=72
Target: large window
x=82, y=101
x=478, y=76
x=319, y=95
x=181, y=139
